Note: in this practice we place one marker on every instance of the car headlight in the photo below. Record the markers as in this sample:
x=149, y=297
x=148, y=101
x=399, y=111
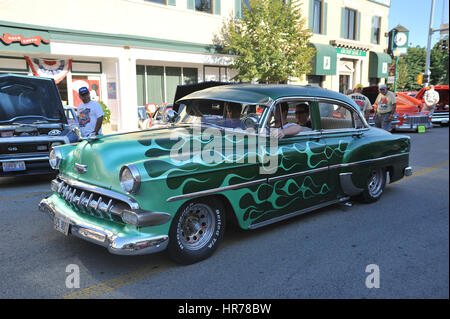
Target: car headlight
x=55, y=158
x=130, y=179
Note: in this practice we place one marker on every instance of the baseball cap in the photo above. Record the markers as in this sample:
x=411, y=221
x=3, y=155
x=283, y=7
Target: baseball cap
x=358, y=86
x=83, y=90
x=382, y=87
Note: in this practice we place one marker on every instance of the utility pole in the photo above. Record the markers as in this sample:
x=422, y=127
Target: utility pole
x=430, y=33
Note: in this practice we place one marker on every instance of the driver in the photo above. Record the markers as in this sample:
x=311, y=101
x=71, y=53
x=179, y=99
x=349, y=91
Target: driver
x=284, y=128
x=232, y=115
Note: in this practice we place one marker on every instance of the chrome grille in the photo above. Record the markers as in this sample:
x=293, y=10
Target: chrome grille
x=90, y=203
x=418, y=120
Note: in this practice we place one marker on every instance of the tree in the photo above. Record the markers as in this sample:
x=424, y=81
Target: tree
x=439, y=63
x=270, y=41
x=402, y=75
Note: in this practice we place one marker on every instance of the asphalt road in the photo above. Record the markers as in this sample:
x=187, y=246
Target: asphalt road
x=323, y=254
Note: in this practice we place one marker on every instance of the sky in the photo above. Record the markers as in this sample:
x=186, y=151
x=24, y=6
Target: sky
x=414, y=15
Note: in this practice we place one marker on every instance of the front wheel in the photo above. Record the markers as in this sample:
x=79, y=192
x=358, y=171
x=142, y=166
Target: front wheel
x=196, y=231
x=375, y=185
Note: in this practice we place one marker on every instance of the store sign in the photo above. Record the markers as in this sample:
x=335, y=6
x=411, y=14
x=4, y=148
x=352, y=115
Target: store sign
x=350, y=52
x=8, y=39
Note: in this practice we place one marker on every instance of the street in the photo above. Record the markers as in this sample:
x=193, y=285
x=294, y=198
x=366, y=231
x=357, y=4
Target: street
x=323, y=254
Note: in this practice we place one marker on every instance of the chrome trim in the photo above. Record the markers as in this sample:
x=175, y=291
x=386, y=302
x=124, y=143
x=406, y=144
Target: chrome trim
x=39, y=138
x=80, y=168
x=367, y=161
x=299, y=212
x=23, y=159
x=408, y=171
x=216, y=190
x=116, y=244
x=347, y=184
x=99, y=190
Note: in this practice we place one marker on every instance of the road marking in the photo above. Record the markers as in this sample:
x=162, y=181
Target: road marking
x=129, y=278
x=25, y=195
x=113, y=284
x=424, y=171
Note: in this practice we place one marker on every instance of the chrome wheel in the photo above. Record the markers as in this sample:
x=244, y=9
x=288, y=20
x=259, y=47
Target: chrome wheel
x=376, y=182
x=196, y=226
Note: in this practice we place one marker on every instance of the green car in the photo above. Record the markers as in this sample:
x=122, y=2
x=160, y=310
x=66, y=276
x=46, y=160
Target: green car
x=250, y=154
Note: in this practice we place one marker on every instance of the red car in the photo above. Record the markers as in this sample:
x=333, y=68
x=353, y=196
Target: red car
x=410, y=114
x=440, y=115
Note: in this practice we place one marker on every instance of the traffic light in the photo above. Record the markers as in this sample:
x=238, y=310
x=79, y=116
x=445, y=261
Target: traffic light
x=443, y=45
x=419, y=78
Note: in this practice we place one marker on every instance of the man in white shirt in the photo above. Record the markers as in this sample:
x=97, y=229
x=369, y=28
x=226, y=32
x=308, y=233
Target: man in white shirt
x=361, y=100
x=90, y=114
x=431, y=98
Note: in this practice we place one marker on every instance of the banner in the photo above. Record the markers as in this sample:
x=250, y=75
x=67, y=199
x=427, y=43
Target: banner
x=8, y=39
x=55, y=69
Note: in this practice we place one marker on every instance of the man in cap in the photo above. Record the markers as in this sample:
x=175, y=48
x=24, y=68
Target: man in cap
x=386, y=104
x=431, y=99
x=361, y=100
x=90, y=114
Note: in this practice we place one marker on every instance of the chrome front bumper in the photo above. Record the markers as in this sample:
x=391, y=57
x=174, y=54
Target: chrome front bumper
x=119, y=245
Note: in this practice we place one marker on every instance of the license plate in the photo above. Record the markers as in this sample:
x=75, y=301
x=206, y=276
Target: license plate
x=14, y=166
x=61, y=224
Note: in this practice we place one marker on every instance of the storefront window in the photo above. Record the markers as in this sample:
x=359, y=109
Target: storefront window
x=155, y=84
x=315, y=80
x=173, y=79
x=158, y=1
x=344, y=83
x=190, y=75
x=140, y=84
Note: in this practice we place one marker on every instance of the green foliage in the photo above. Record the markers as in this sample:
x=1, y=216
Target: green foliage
x=270, y=42
x=402, y=71
x=415, y=65
x=107, y=117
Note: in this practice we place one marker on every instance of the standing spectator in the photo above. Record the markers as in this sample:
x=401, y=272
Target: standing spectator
x=362, y=101
x=431, y=98
x=386, y=104
x=90, y=114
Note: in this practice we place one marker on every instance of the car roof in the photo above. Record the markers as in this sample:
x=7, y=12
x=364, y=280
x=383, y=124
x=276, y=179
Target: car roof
x=263, y=93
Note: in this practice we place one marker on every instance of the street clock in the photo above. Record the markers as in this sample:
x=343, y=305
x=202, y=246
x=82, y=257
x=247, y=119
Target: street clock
x=400, y=39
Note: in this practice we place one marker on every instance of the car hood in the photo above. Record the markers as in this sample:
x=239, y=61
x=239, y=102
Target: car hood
x=151, y=151
x=27, y=99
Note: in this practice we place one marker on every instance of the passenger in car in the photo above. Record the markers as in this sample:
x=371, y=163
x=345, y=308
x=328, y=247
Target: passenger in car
x=284, y=128
x=302, y=116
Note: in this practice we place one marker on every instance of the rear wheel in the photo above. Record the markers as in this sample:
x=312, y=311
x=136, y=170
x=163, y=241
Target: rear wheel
x=196, y=231
x=376, y=183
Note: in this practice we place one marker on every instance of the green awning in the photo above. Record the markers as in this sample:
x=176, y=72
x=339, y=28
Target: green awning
x=324, y=62
x=379, y=65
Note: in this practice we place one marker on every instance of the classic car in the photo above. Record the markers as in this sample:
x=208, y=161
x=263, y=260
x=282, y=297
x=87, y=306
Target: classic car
x=32, y=121
x=71, y=115
x=177, y=187
x=410, y=115
x=440, y=114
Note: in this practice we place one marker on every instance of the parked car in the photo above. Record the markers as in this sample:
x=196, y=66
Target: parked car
x=32, y=121
x=410, y=114
x=177, y=187
x=440, y=115
x=71, y=115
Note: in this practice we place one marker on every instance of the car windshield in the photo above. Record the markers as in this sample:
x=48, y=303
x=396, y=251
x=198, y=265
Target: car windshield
x=28, y=100
x=220, y=113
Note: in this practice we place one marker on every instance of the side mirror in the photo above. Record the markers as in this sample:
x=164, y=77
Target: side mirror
x=172, y=116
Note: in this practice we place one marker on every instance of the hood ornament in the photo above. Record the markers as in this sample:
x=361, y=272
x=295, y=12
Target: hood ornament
x=81, y=168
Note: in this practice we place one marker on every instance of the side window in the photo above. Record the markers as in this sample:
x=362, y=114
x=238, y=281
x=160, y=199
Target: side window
x=336, y=116
x=292, y=113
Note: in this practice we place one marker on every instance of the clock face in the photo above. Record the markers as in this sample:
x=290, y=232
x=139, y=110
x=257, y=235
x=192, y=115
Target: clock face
x=400, y=39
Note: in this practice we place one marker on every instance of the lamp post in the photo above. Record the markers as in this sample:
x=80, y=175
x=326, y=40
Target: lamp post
x=430, y=33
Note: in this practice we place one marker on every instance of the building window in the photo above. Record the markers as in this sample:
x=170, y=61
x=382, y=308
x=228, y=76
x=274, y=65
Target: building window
x=203, y=5
x=376, y=30
x=350, y=24
x=317, y=17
